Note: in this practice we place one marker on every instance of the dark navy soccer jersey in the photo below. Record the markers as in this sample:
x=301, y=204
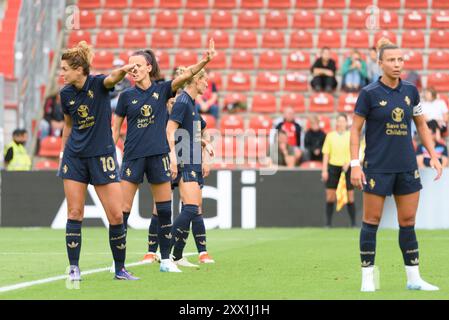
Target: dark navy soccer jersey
x=184, y=113
x=90, y=110
x=388, y=113
x=146, y=114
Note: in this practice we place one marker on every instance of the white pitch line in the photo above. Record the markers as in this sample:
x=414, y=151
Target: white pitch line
x=64, y=277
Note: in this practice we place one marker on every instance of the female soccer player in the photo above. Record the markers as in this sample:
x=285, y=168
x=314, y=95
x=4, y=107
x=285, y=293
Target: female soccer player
x=186, y=163
x=89, y=153
x=336, y=159
x=389, y=166
x=146, y=147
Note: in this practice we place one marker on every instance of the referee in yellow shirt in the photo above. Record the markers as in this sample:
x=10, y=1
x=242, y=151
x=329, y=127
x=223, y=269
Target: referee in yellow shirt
x=336, y=158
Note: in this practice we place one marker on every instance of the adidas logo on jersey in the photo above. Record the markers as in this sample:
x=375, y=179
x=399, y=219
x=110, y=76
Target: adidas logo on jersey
x=112, y=176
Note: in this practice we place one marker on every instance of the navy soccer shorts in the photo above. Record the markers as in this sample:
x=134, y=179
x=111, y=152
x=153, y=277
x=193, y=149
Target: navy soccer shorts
x=386, y=184
x=156, y=168
x=188, y=176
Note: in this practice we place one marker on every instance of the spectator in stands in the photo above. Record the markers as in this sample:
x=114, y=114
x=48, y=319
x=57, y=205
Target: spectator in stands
x=373, y=69
x=413, y=77
x=336, y=160
x=354, y=72
x=53, y=120
x=286, y=155
x=436, y=112
x=314, y=140
x=293, y=130
x=208, y=102
x=16, y=157
x=423, y=157
x=119, y=87
x=323, y=72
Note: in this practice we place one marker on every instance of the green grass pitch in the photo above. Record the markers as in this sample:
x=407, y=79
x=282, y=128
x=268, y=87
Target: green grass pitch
x=250, y=264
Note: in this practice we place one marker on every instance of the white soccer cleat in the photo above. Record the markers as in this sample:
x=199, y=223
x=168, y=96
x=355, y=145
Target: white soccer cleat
x=415, y=282
x=168, y=266
x=183, y=262
x=368, y=283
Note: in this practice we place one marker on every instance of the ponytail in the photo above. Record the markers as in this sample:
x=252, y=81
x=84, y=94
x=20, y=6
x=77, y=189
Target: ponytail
x=384, y=44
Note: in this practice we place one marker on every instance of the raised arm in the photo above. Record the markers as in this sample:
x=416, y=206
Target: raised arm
x=178, y=82
x=117, y=75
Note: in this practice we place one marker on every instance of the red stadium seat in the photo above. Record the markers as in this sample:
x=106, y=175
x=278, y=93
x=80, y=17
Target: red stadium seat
x=267, y=81
x=239, y=82
x=103, y=60
x=334, y=4
x=89, y=4
x=438, y=59
x=276, y=19
x=197, y=4
x=439, y=39
x=331, y=19
x=166, y=19
x=248, y=19
x=50, y=147
x=415, y=20
x=256, y=147
x=321, y=102
x=245, y=39
x=221, y=19
x=296, y=81
x=190, y=39
x=163, y=59
x=311, y=165
x=357, y=39
x=162, y=39
x=170, y=4
x=124, y=55
x=88, y=19
x=111, y=19
x=142, y=4
x=210, y=120
x=215, y=77
x=346, y=102
x=389, y=4
x=224, y=4
x=413, y=39
x=221, y=39
x=416, y=4
x=413, y=60
x=251, y=4
x=194, y=19
x=388, y=20
x=440, y=20
x=279, y=4
x=107, y=39
x=219, y=61
x=231, y=122
x=185, y=58
x=301, y=39
x=438, y=80
x=440, y=4
x=242, y=60
x=357, y=19
x=139, y=19
x=329, y=38
x=46, y=165
x=306, y=4
x=264, y=103
x=116, y=4
x=234, y=97
x=76, y=36
x=293, y=100
x=298, y=60
x=135, y=39
x=273, y=39
x=385, y=34
x=270, y=60
x=303, y=19
x=360, y=4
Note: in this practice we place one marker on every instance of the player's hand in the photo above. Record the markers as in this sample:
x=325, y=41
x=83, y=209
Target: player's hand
x=436, y=164
x=209, y=148
x=129, y=68
x=324, y=176
x=211, y=53
x=206, y=170
x=358, y=178
x=173, y=166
